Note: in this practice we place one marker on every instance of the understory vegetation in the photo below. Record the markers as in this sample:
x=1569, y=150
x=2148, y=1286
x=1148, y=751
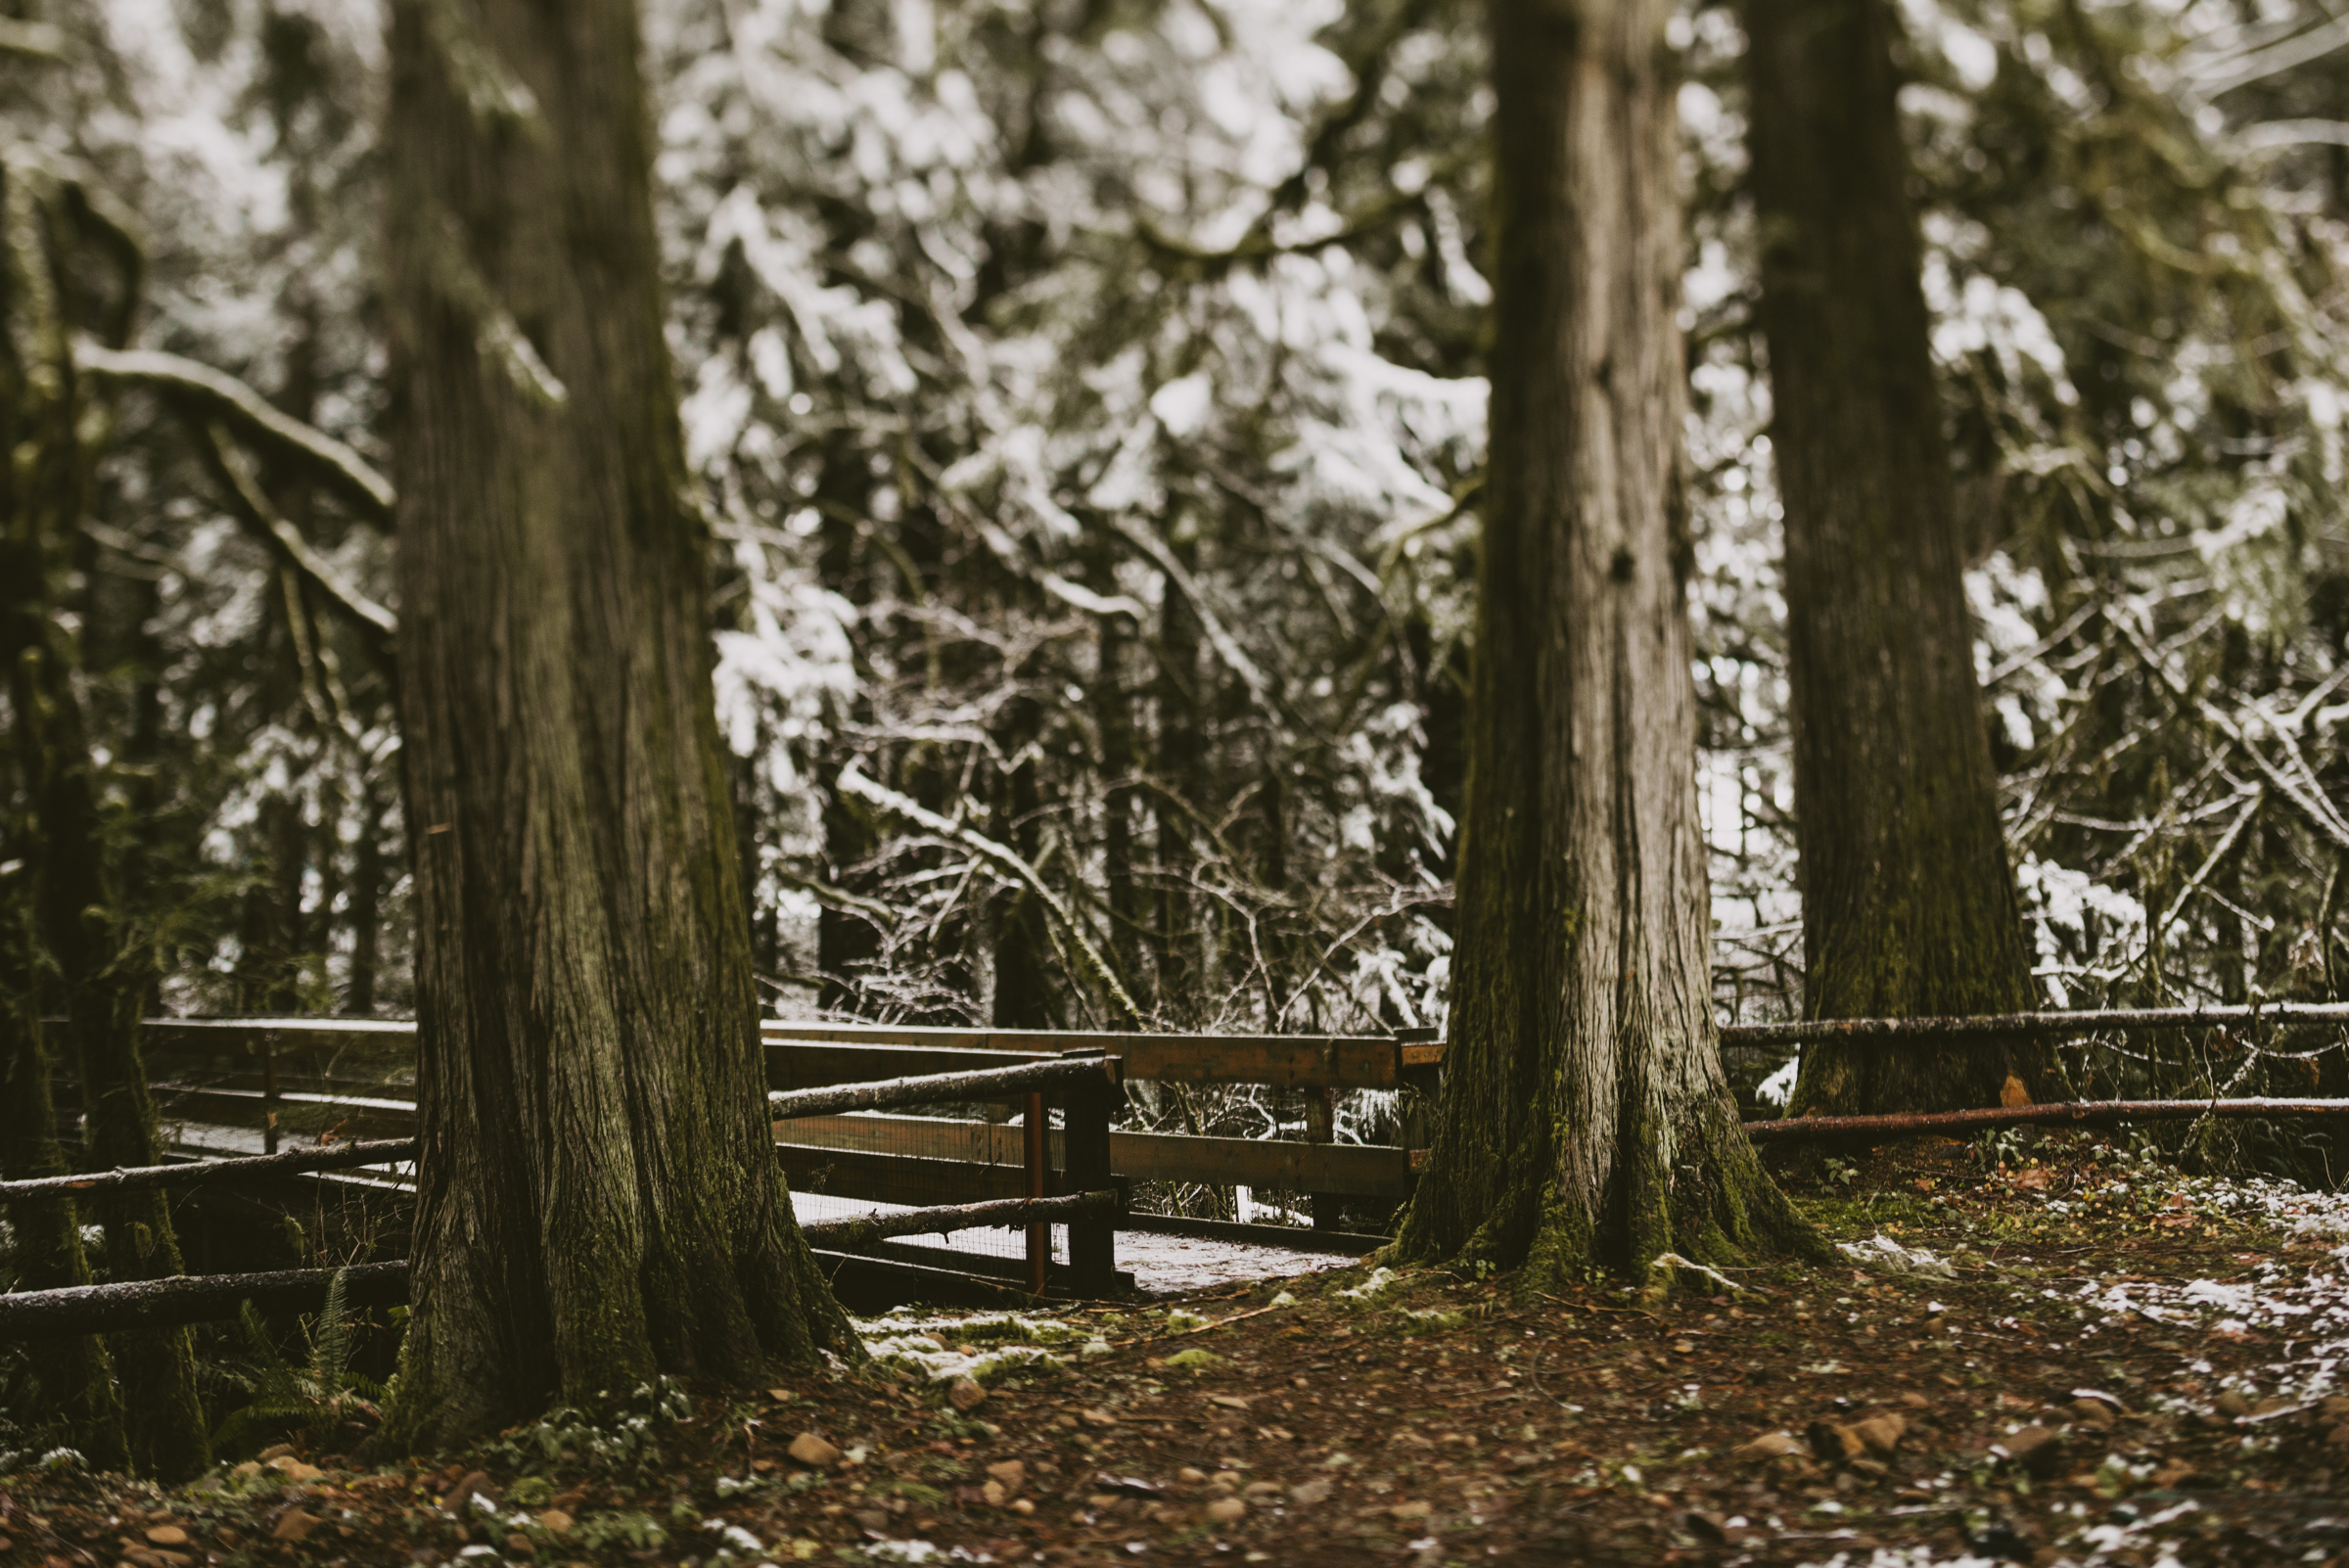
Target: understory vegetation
x=2052, y=1349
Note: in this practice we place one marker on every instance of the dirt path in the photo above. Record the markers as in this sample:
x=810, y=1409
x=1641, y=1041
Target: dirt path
x=2121, y=1368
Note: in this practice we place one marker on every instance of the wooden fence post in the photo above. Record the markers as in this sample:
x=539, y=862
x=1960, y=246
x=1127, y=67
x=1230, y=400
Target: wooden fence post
x=1040, y=1236
x=1084, y=1140
x=1321, y=1127
x=269, y=1100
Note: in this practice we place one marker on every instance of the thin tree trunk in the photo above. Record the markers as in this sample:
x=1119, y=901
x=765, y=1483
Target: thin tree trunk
x=79, y=903
x=599, y=1200
x=1113, y=715
x=846, y=944
x=77, y=1375
x=1584, y=1119
x=1909, y=903
x=366, y=903
x=1182, y=768
x=1023, y=948
x=104, y=978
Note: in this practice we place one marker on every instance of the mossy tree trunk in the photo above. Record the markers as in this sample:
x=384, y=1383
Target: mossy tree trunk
x=599, y=1197
x=1583, y=1121
x=77, y=1375
x=1908, y=901
x=81, y=907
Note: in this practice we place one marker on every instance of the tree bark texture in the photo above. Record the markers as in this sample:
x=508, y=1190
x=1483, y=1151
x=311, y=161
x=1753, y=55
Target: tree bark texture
x=599, y=1199
x=78, y=901
x=77, y=1375
x=1583, y=1121
x=1908, y=901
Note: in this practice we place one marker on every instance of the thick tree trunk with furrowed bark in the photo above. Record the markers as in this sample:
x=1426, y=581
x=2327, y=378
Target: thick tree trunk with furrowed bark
x=1583, y=1120
x=1909, y=903
x=599, y=1198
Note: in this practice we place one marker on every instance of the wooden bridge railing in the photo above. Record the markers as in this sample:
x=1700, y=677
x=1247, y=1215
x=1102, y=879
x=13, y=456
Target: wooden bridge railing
x=893, y=1159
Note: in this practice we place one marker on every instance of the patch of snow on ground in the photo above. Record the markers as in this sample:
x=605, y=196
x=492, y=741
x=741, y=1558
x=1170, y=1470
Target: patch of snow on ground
x=1881, y=1252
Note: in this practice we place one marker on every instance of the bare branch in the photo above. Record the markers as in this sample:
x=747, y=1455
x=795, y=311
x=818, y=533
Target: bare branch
x=376, y=626
x=1227, y=647
x=203, y=391
x=1008, y=863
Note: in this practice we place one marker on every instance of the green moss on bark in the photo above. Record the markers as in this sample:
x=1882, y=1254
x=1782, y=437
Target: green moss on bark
x=1583, y=1122
x=599, y=1199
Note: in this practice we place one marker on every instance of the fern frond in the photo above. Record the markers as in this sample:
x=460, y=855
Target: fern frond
x=330, y=1341
x=275, y=1379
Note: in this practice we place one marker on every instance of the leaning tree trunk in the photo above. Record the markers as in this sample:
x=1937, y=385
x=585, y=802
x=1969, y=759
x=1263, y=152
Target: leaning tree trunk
x=1584, y=1119
x=1909, y=903
x=599, y=1199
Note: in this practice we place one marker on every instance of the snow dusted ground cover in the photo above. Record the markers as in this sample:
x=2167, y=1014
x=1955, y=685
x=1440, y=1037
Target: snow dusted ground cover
x=2052, y=1351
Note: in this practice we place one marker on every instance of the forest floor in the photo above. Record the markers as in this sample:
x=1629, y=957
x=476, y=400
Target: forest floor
x=2122, y=1366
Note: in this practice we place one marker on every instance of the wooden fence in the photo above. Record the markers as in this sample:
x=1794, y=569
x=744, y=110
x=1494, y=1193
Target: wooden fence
x=827, y=1083
x=239, y=1085
x=234, y=1074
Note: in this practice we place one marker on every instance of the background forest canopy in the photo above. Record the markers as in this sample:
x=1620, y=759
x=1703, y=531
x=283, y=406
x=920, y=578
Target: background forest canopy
x=1086, y=399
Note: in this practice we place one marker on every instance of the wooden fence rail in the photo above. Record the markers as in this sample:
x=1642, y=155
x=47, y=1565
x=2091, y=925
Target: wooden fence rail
x=1068, y=1072
x=2033, y=1026
x=922, y=1157
x=198, y=1173
x=2056, y=1113
x=205, y=1298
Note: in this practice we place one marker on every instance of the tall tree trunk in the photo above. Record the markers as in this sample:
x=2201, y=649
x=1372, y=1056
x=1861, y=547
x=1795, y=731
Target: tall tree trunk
x=1113, y=717
x=77, y=1376
x=1182, y=769
x=599, y=1199
x=1583, y=1120
x=366, y=901
x=1023, y=948
x=847, y=943
x=1909, y=903
x=80, y=906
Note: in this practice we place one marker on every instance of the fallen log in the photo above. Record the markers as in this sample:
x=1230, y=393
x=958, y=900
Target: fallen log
x=2033, y=1026
x=233, y=1168
x=2062, y=1113
x=935, y=1088
x=850, y=1235
x=193, y=1299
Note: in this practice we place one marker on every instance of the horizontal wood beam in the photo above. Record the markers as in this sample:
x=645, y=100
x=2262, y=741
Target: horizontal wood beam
x=937, y=1088
x=192, y=1299
x=1360, y=1171
x=1374, y=1171
x=2034, y=1025
x=853, y=1234
x=2064, y=1113
x=1299, y=1061
x=807, y=1064
x=871, y=1177
x=200, y=1173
